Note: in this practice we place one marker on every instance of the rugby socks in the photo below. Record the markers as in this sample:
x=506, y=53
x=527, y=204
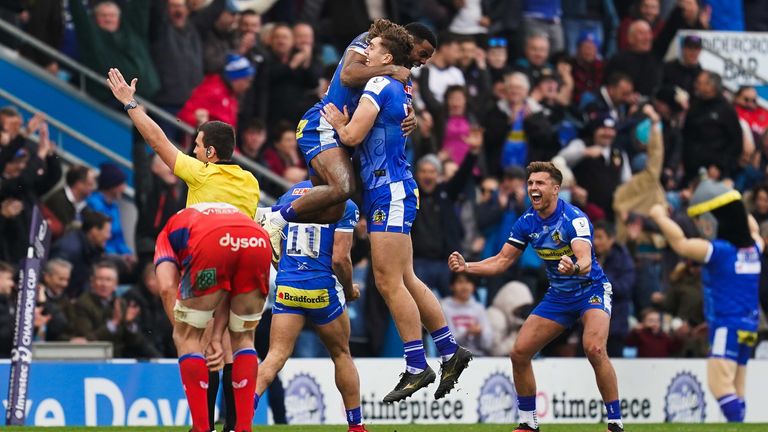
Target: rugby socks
x=526, y=407
x=445, y=343
x=613, y=409
x=415, y=358
x=731, y=406
x=244, y=371
x=229, y=398
x=194, y=377
x=743, y=408
x=213, y=391
x=354, y=417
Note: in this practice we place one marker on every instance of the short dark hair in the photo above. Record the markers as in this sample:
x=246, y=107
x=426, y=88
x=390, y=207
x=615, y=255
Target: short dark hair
x=456, y=276
x=105, y=263
x=6, y=268
x=421, y=32
x=248, y=12
x=255, y=124
x=76, y=173
x=743, y=88
x=93, y=219
x=455, y=88
x=220, y=136
x=447, y=38
x=606, y=226
x=715, y=79
x=281, y=128
x=547, y=167
x=615, y=78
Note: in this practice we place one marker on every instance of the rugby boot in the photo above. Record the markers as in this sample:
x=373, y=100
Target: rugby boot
x=451, y=370
x=523, y=427
x=614, y=427
x=409, y=384
x=276, y=235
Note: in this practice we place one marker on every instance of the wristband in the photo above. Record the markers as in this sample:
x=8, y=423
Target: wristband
x=466, y=266
x=130, y=105
x=576, y=269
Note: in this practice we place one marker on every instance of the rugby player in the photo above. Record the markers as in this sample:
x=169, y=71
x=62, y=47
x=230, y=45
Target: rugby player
x=731, y=279
x=390, y=203
x=224, y=259
x=329, y=163
x=561, y=235
x=308, y=290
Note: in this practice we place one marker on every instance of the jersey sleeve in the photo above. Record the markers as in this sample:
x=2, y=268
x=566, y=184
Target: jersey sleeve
x=378, y=90
x=518, y=237
x=189, y=169
x=714, y=252
x=349, y=221
x=164, y=251
x=578, y=229
x=359, y=44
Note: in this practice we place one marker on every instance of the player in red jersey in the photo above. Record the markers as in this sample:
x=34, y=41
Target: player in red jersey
x=223, y=257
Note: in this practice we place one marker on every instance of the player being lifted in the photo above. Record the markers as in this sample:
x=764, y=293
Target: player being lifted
x=390, y=202
x=307, y=290
x=329, y=164
x=224, y=257
x=561, y=235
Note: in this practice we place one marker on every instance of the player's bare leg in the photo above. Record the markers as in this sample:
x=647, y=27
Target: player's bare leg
x=596, y=326
x=535, y=334
x=454, y=358
x=741, y=390
x=721, y=378
x=389, y=267
x=282, y=338
x=335, y=337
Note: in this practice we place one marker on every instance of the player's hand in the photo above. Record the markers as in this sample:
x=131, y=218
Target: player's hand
x=353, y=294
x=456, y=263
x=409, y=123
x=214, y=355
x=120, y=88
x=657, y=212
x=401, y=73
x=336, y=118
x=565, y=266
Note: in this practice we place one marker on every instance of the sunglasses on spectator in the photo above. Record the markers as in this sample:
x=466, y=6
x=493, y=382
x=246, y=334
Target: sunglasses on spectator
x=497, y=43
x=749, y=100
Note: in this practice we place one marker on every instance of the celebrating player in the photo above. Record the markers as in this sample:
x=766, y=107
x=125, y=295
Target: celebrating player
x=561, y=234
x=329, y=163
x=224, y=256
x=391, y=200
x=307, y=289
x=731, y=278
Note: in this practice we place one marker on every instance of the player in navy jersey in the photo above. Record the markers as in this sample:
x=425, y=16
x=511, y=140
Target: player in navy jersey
x=329, y=162
x=561, y=235
x=390, y=202
x=314, y=281
x=731, y=280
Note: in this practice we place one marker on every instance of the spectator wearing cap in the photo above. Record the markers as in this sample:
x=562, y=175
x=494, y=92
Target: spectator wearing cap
x=682, y=72
x=638, y=61
x=497, y=58
x=216, y=98
x=646, y=10
x=599, y=166
x=111, y=186
x=712, y=135
x=441, y=72
x=535, y=57
x=586, y=66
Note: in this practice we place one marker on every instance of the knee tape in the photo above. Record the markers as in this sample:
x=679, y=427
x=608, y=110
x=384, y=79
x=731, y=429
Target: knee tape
x=195, y=318
x=243, y=323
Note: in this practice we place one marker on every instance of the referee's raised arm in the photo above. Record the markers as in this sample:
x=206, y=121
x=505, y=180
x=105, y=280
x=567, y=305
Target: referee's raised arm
x=145, y=125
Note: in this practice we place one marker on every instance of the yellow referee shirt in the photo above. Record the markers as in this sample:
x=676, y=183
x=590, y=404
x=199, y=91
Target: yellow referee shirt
x=210, y=182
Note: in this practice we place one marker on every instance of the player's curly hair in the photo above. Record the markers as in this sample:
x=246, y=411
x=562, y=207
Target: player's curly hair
x=547, y=167
x=399, y=43
x=378, y=27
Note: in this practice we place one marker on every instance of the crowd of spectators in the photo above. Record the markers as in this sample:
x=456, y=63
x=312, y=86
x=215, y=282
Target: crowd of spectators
x=583, y=84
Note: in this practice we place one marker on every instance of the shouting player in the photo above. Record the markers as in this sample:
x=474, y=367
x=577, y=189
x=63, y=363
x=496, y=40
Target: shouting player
x=561, y=235
x=308, y=290
x=391, y=200
x=329, y=164
x=224, y=257
x=731, y=279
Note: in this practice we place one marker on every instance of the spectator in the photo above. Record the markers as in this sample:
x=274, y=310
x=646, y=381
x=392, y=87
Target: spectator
x=68, y=202
x=598, y=18
x=745, y=102
x=13, y=238
x=110, y=40
x=587, y=66
x=646, y=10
x=543, y=127
x=682, y=72
x=759, y=203
x=510, y=308
x=613, y=99
x=683, y=300
x=7, y=307
x=469, y=19
x=476, y=76
x=543, y=17
x=57, y=305
x=638, y=60
x=497, y=59
x=466, y=316
x=252, y=139
x=505, y=23
x=619, y=268
x=535, y=57
x=99, y=315
x=459, y=124
x=254, y=102
x=505, y=143
x=220, y=39
x=105, y=200
x=284, y=152
x=216, y=98
x=712, y=136
x=14, y=135
x=153, y=323
x=649, y=339
x=83, y=248
x=441, y=72
x=687, y=15
x=671, y=104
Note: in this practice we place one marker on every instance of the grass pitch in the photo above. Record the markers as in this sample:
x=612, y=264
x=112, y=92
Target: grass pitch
x=712, y=427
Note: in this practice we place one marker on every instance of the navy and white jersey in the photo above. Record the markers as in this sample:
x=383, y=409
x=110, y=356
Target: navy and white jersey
x=310, y=268
x=339, y=94
x=731, y=279
x=552, y=238
x=382, y=154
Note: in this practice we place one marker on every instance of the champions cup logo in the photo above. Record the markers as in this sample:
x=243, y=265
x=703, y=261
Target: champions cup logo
x=39, y=243
x=684, y=402
x=304, y=401
x=497, y=400
x=21, y=354
x=237, y=243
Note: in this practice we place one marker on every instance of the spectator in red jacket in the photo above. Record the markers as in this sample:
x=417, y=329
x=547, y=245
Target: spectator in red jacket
x=748, y=110
x=587, y=66
x=649, y=339
x=284, y=152
x=216, y=97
